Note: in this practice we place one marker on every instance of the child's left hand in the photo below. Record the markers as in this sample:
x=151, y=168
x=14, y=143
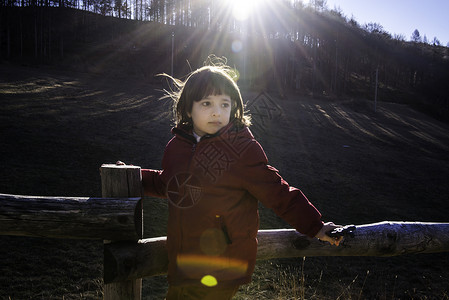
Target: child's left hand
x=324, y=237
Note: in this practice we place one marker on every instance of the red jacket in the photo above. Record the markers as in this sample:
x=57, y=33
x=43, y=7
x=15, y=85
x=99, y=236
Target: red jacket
x=213, y=188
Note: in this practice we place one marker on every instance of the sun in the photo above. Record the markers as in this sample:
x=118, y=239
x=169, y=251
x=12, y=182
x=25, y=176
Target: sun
x=241, y=9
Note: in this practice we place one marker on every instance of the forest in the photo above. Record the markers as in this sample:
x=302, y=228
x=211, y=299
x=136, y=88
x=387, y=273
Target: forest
x=281, y=46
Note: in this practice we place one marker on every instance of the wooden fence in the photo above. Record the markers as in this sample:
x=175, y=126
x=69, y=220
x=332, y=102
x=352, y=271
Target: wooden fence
x=117, y=220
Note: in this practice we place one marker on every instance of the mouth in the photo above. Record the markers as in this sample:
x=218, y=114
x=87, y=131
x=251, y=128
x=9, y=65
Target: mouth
x=215, y=123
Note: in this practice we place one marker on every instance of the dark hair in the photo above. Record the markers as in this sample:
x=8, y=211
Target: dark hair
x=203, y=82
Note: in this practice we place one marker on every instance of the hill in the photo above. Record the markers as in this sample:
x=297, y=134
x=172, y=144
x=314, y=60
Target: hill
x=285, y=45
x=358, y=166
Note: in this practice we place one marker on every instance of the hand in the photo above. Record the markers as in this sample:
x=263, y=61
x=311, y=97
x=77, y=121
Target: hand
x=120, y=163
x=324, y=237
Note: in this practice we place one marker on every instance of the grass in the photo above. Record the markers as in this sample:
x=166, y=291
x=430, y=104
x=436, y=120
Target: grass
x=294, y=283
x=58, y=130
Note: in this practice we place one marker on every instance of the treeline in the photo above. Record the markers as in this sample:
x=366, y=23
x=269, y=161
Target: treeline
x=283, y=45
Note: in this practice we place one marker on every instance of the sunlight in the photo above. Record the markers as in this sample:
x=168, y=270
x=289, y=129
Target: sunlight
x=241, y=9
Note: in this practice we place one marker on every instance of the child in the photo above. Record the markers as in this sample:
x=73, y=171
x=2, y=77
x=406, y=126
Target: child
x=214, y=173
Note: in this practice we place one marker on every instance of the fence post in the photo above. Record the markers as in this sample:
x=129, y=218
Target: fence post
x=125, y=182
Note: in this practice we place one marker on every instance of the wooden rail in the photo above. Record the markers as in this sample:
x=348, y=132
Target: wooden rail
x=71, y=217
x=148, y=257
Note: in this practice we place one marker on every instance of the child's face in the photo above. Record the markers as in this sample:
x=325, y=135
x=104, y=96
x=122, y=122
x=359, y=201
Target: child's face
x=210, y=114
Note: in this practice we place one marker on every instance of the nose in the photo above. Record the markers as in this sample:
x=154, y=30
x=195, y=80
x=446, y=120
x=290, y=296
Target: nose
x=216, y=112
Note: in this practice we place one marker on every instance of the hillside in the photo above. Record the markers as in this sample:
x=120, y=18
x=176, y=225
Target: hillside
x=285, y=47
x=358, y=166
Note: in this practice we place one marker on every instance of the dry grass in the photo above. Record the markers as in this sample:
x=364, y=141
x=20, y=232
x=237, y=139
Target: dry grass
x=356, y=166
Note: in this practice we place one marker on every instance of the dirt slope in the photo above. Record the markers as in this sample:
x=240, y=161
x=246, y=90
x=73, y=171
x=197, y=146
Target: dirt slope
x=358, y=166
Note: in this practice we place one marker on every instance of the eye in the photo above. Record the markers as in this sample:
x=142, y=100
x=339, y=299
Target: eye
x=205, y=103
x=225, y=105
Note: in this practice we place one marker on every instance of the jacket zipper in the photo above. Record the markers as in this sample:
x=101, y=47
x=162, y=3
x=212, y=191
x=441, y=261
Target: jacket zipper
x=181, y=215
x=191, y=156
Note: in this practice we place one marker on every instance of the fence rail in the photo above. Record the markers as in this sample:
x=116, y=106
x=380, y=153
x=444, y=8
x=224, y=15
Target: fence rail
x=127, y=260
x=71, y=217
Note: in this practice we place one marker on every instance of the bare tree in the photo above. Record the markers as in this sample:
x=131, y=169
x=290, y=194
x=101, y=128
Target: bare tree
x=118, y=8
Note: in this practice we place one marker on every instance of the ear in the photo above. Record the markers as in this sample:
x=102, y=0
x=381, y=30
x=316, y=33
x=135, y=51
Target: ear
x=189, y=115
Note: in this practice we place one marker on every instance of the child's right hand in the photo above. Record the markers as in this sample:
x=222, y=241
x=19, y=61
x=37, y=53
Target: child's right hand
x=324, y=237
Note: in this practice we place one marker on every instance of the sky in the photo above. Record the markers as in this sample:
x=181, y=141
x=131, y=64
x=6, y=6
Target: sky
x=430, y=17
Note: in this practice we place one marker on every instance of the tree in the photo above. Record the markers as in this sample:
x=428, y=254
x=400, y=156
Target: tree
x=436, y=42
x=374, y=28
x=399, y=37
x=318, y=5
x=416, y=37
x=104, y=7
x=118, y=8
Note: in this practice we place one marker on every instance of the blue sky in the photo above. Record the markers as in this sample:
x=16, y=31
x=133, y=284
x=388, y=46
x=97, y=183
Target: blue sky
x=430, y=17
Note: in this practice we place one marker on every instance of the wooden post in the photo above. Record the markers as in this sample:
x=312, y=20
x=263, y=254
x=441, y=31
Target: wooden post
x=122, y=181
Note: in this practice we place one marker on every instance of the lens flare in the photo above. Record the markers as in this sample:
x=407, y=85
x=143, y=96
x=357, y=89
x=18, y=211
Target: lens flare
x=209, y=281
x=196, y=263
x=237, y=46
